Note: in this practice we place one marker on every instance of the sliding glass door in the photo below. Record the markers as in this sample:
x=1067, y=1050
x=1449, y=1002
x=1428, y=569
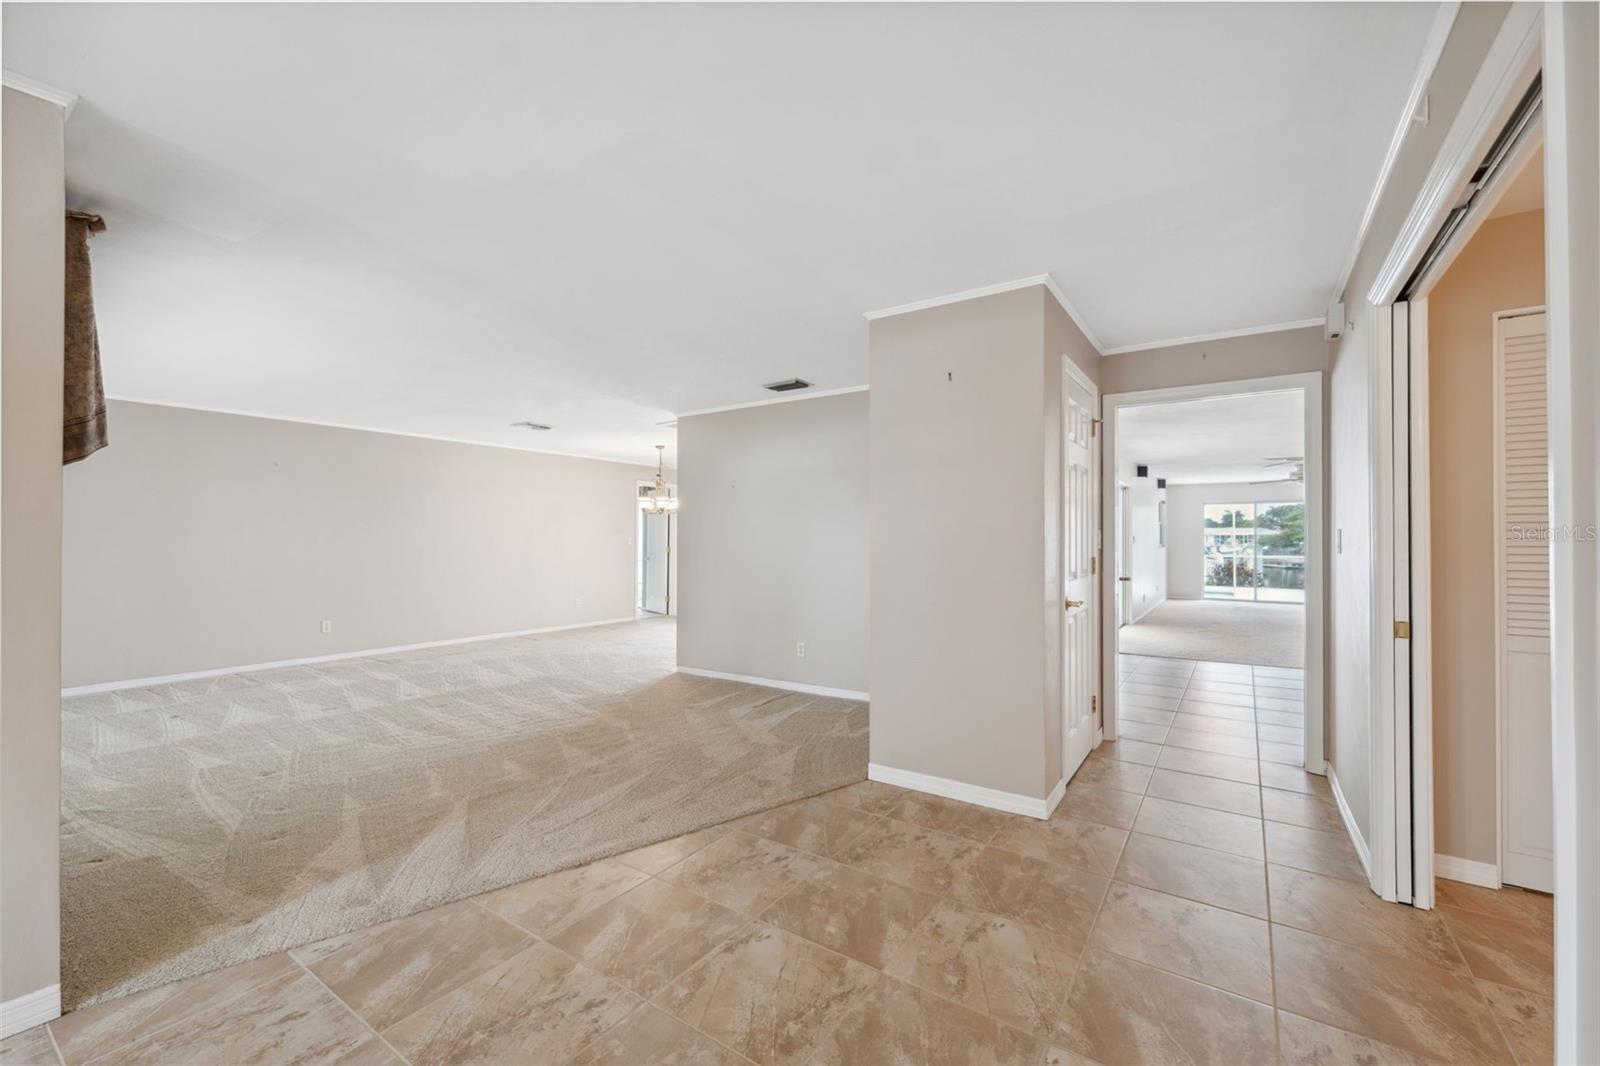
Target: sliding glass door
x=1255, y=551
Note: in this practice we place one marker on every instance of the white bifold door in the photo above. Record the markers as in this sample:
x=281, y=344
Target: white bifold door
x=1080, y=651
x=1522, y=506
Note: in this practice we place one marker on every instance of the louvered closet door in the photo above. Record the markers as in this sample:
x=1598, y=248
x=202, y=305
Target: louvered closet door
x=1523, y=505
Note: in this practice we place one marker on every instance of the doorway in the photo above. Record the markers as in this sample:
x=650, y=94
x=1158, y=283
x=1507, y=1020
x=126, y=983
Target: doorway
x=1213, y=482
x=655, y=571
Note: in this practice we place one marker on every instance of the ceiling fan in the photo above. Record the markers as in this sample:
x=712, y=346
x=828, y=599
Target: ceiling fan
x=1295, y=463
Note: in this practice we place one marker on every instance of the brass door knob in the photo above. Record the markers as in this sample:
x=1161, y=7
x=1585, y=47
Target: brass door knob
x=1124, y=579
x=1074, y=603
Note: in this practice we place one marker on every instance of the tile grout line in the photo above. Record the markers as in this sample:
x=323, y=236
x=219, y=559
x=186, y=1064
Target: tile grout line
x=352, y=1011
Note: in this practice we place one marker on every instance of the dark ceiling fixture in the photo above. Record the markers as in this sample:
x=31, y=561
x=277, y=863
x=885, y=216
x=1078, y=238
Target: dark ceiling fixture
x=788, y=386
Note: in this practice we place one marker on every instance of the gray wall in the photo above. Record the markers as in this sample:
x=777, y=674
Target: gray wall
x=1290, y=351
x=775, y=542
x=30, y=547
x=199, y=540
x=966, y=541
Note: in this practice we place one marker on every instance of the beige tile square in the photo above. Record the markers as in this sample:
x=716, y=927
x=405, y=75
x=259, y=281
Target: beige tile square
x=1215, y=877
x=852, y=912
x=1228, y=727
x=1090, y=802
x=539, y=1006
x=1065, y=841
x=818, y=826
x=1277, y=715
x=1294, y=779
x=1289, y=754
x=1205, y=709
x=1314, y=850
x=901, y=1024
x=1132, y=712
x=1305, y=1042
x=1203, y=740
x=744, y=873
x=1277, y=734
x=93, y=1031
x=769, y=995
x=648, y=935
x=1236, y=834
x=654, y=858
x=289, y=1019
x=1058, y=899
x=1221, y=948
x=1351, y=912
x=653, y=1036
x=1125, y=776
x=1301, y=808
x=1143, y=731
x=1511, y=903
x=1012, y=973
x=873, y=797
x=1425, y=1010
x=1199, y=692
x=31, y=1047
x=386, y=972
x=910, y=855
x=1134, y=751
x=1215, y=792
x=1526, y=1020
x=546, y=904
x=1209, y=764
x=1121, y=1011
x=948, y=816
x=1511, y=952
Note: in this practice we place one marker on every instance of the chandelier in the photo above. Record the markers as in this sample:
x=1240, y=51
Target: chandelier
x=659, y=499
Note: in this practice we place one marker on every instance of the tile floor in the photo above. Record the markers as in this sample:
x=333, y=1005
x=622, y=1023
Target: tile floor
x=1193, y=899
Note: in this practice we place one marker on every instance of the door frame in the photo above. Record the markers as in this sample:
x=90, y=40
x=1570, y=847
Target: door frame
x=1071, y=372
x=1122, y=555
x=1311, y=385
x=1502, y=780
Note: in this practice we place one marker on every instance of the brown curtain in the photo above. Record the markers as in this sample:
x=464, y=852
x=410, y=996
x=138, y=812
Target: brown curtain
x=83, y=430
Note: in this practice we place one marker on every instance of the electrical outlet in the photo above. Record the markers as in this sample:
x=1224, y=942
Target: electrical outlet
x=327, y=625
x=578, y=602
x=800, y=650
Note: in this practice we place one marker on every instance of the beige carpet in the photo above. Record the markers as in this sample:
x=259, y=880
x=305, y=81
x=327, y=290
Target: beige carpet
x=1261, y=634
x=210, y=822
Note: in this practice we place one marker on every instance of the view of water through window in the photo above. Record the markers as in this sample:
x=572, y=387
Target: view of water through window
x=1255, y=551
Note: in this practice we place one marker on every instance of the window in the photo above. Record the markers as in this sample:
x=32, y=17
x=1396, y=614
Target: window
x=1255, y=551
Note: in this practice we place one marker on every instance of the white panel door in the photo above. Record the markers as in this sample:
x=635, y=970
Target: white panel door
x=1522, y=503
x=1078, y=569
x=656, y=545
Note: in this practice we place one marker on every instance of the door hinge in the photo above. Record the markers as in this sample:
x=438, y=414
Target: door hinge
x=1402, y=631
x=1094, y=427
x=1094, y=565
x=1094, y=704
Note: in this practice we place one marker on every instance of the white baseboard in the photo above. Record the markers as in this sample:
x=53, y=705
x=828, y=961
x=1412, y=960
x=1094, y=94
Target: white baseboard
x=23, y=1013
x=1052, y=801
x=772, y=682
x=993, y=798
x=195, y=675
x=1363, y=852
x=1469, y=871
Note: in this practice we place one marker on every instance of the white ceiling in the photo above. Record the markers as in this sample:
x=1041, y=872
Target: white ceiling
x=1217, y=440
x=441, y=219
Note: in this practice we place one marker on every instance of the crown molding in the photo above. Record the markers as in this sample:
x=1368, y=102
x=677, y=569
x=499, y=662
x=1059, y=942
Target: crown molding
x=373, y=429
x=1248, y=331
x=769, y=401
x=1432, y=48
x=23, y=84
x=1046, y=280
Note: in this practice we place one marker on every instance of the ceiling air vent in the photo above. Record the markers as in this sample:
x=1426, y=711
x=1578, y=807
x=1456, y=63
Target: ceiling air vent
x=788, y=386
x=540, y=426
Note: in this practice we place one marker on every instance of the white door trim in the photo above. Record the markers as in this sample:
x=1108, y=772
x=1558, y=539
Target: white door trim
x=1310, y=383
x=1421, y=614
x=1508, y=69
